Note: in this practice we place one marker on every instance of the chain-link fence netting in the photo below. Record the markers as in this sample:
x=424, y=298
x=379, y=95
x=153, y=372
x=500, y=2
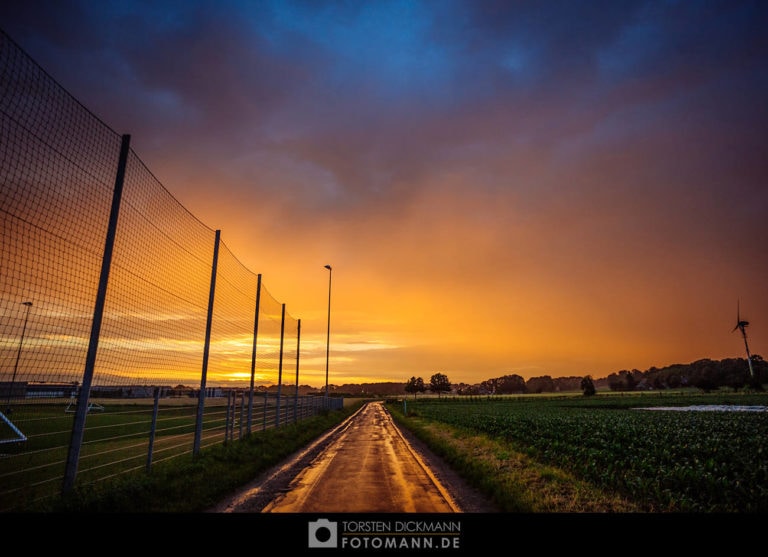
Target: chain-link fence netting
x=124, y=320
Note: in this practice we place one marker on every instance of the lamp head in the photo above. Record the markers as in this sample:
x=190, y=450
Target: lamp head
x=328, y=267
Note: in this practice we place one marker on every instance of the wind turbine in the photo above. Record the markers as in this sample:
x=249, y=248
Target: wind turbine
x=742, y=326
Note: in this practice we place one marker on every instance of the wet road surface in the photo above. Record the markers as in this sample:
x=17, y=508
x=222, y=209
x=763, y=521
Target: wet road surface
x=363, y=465
x=369, y=467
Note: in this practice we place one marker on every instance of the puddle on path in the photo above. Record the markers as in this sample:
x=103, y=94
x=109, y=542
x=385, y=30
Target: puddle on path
x=710, y=408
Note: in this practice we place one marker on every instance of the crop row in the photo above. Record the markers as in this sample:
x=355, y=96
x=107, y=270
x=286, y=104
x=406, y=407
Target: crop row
x=666, y=460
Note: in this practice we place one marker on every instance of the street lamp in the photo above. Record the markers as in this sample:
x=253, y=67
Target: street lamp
x=328, y=337
x=18, y=355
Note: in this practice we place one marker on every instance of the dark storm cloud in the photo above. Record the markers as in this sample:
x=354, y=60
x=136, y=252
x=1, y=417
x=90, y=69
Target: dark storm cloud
x=376, y=94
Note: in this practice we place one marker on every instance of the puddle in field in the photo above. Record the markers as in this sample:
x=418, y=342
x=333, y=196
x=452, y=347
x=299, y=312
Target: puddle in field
x=710, y=408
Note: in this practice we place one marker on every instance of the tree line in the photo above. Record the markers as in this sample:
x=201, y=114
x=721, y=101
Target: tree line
x=705, y=374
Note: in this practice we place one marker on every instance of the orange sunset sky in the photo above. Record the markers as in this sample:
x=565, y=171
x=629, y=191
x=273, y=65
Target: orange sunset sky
x=541, y=188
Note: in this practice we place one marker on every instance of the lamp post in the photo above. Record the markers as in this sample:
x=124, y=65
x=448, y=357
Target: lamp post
x=328, y=337
x=18, y=356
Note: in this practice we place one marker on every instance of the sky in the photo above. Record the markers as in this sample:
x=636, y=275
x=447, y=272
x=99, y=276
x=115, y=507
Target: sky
x=530, y=188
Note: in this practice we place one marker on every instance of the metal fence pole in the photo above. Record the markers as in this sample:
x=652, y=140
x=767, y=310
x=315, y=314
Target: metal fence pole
x=280, y=370
x=153, y=429
x=206, y=348
x=264, y=424
x=296, y=402
x=230, y=417
x=78, y=426
x=253, y=350
x=240, y=421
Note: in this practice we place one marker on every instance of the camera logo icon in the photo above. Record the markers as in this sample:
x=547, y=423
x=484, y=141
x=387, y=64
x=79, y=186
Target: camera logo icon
x=323, y=533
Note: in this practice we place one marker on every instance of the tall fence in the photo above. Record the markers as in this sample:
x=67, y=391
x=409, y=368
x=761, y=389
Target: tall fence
x=129, y=332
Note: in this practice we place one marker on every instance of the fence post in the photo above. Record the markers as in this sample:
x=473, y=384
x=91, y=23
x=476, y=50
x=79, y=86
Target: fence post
x=78, y=426
x=253, y=350
x=240, y=421
x=280, y=369
x=264, y=420
x=153, y=429
x=296, y=402
x=229, y=420
x=206, y=348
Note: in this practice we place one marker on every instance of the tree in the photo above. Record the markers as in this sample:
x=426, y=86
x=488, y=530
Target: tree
x=439, y=383
x=415, y=385
x=542, y=384
x=510, y=384
x=588, y=386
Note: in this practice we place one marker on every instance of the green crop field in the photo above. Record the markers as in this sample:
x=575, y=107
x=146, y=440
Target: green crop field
x=692, y=457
